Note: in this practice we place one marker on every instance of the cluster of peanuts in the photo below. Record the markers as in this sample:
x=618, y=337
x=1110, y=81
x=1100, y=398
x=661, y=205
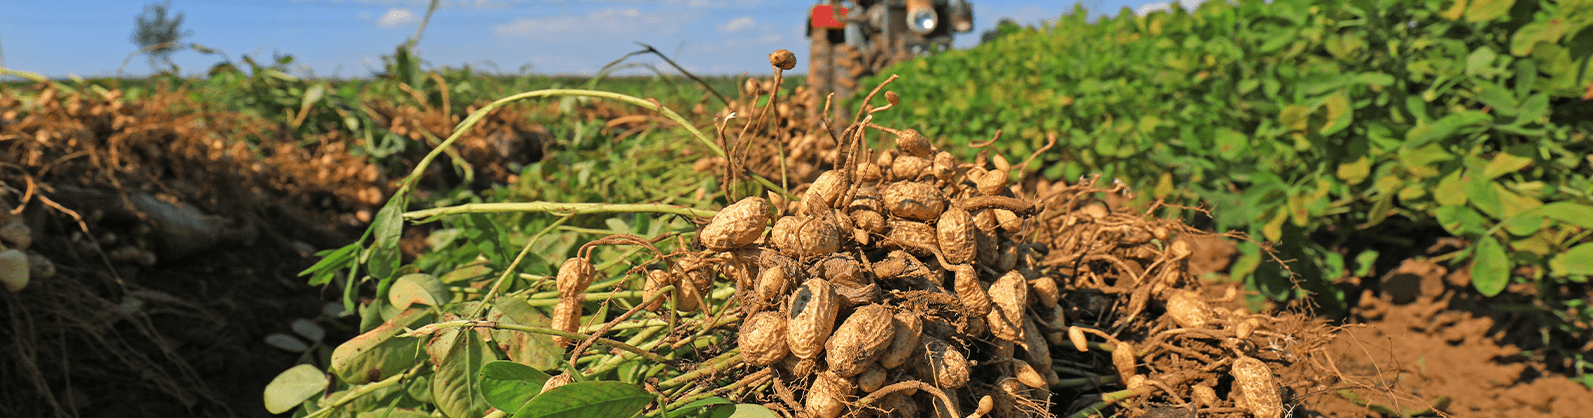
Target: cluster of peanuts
x=910, y=268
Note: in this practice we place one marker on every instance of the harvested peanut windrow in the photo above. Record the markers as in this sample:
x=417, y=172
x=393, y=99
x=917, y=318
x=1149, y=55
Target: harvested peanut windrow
x=914, y=200
x=827, y=396
x=1188, y=309
x=908, y=329
x=1260, y=388
x=811, y=318
x=1008, y=295
x=954, y=233
x=859, y=340
x=965, y=280
x=762, y=339
x=567, y=318
x=736, y=225
x=574, y=276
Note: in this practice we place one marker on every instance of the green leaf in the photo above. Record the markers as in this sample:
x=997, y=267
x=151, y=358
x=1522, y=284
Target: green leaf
x=1420, y=161
x=1355, y=172
x=1511, y=203
x=508, y=385
x=1578, y=260
x=1450, y=190
x=1231, y=144
x=291, y=388
x=587, y=400
x=331, y=261
x=1569, y=212
x=1501, y=100
x=1461, y=220
x=1480, y=61
x=1534, y=107
x=1505, y=163
x=1295, y=117
x=1364, y=262
x=1339, y=114
x=418, y=288
x=1486, y=10
x=1443, y=128
x=1524, y=224
x=535, y=350
x=1482, y=195
x=378, y=353
x=1490, y=269
x=458, y=356
x=383, y=254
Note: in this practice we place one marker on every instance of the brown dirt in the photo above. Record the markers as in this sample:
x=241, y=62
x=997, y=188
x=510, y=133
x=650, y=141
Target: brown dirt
x=1428, y=341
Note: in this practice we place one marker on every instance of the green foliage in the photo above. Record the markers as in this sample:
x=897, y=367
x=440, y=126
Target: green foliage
x=1317, y=125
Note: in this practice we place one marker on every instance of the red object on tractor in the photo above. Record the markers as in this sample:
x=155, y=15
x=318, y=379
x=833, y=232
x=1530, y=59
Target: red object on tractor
x=827, y=16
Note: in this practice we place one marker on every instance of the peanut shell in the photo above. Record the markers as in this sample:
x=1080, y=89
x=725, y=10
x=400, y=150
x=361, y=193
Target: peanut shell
x=811, y=318
x=1008, y=295
x=917, y=238
x=828, y=188
x=806, y=236
x=943, y=365
x=762, y=339
x=1026, y=374
x=1080, y=343
x=872, y=378
x=913, y=143
x=656, y=280
x=14, y=269
x=1123, y=359
x=908, y=167
x=1044, y=289
x=869, y=221
x=1188, y=309
x=993, y=183
x=827, y=397
x=736, y=225
x=914, y=200
x=859, y=340
x=1204, y=395
x=1262, y=396
x=969, y=290
x=574, y=276
x=567, y=318
x=693, y=287
x=908, y=330
x=954, y=233
x=1245, y=328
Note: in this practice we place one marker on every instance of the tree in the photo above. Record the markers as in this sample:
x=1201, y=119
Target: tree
x=158, y=34
x=1003, y=27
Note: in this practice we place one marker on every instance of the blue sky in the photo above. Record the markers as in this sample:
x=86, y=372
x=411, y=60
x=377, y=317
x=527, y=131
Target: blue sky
x=346, y=38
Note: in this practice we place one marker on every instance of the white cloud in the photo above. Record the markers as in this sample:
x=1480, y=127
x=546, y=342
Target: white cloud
x=601, y=24
x=736, y=25
x=396, y=17
x=1158, y=6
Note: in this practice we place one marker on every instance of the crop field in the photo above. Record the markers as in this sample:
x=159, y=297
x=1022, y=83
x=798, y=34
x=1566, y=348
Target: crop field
x=1295, y=208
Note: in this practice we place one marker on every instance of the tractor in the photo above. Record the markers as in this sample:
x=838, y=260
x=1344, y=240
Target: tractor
x=853, y=39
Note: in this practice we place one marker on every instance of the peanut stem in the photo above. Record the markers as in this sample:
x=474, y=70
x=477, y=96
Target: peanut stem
x=366, y=389
x=557, y=208
x=466, y=323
